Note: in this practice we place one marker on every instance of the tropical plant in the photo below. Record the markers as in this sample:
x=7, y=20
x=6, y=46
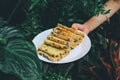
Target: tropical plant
x=55, y=76
x=98, y=62
x=18, y=55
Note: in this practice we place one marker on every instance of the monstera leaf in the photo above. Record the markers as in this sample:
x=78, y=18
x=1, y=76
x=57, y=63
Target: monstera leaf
x=18, y=56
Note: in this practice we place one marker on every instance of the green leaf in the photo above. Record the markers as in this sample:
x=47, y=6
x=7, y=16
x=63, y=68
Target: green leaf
x=107, y=11
x=35, y=3
x=19, y=56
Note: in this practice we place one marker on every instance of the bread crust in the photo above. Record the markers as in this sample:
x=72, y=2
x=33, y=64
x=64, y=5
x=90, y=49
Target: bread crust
x=62, y=36
x=52, y=51
x=58, y=40
x=71, y=29
x=55, y=44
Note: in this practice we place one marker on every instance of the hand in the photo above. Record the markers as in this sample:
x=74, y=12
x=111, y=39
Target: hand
x=81, y=27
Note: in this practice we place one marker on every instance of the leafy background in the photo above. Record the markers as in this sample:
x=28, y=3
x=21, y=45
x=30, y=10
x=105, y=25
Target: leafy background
x=22, y=20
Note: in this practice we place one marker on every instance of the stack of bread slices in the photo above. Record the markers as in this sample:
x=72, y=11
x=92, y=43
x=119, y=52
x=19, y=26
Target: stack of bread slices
x=60, y=42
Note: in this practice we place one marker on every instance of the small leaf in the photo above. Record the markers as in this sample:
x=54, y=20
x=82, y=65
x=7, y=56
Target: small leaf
x=107, y=12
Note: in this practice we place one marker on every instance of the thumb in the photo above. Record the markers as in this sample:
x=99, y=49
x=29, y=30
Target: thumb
x=76, y=26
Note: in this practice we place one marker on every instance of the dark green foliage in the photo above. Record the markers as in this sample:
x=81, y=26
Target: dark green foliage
x=55, y=76
x=18, y=55
x=37, y=3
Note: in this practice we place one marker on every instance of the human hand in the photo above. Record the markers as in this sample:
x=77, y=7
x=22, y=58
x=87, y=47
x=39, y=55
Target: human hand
x=81, y=27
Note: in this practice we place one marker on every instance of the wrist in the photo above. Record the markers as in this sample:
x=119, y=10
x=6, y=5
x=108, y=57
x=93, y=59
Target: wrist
x=92, y=23
x=87, y=28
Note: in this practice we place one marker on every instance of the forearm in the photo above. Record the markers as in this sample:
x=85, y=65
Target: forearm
x=95, y=21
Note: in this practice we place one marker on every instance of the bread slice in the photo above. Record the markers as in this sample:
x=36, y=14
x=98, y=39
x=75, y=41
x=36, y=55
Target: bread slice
x=76, y=32
x=52, y=51
x=53, y=59
x=70, y=29
x=44, y=54
x=76, y=37
x=55, y=44
x=57, y=40
x=62, y=31
x=62, y=36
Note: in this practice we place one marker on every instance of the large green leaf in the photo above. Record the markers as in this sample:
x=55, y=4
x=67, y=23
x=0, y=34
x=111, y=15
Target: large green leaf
x=18, y=56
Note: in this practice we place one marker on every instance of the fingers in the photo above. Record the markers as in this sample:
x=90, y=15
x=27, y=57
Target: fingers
x=80, y=27
x=76, y=26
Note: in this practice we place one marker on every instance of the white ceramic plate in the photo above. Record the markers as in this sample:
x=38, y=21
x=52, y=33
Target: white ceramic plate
x=75, y=54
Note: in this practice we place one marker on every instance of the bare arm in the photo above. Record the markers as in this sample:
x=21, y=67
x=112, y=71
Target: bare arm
x=95, y=21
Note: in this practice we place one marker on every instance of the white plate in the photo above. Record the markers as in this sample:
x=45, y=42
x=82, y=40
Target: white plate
x=75, y=54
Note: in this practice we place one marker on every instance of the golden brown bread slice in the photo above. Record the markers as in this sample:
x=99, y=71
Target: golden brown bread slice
x=54, y=59
x=44, y=54
x=62, y=36
x=62, y=32
x=70, y=29
x=76, y=37
x=62, y=26
x=76, y=32
x=52, y=51
x=55, y=44
x=70, y=44
x=58, y=40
